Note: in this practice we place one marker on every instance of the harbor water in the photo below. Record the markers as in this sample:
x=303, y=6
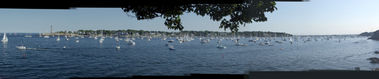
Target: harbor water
x=48, y=58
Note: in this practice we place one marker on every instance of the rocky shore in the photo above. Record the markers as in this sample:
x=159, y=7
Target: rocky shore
x=375, y=36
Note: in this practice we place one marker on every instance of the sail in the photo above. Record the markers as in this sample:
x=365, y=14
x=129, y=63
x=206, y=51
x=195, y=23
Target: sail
x=5, y=38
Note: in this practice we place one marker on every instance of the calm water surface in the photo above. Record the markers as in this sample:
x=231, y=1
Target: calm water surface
x=89, y=58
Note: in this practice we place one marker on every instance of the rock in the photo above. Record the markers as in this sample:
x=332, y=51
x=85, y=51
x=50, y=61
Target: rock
x=376, y=52
x=375, y=36
x=374, y=60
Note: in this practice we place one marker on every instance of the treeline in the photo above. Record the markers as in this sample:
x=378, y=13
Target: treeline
x=367, y=34
x=243, y=34
x=189, y=33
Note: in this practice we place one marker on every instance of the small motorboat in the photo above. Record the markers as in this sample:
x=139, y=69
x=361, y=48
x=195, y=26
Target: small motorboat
x=171, y=47
x=170, y=41
x=46, y=37
x=221, y=46
x=21, y=47
x=118, y=47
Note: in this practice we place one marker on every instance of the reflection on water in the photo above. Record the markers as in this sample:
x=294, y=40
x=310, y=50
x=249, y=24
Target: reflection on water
x=89, y=58
x=5, y=45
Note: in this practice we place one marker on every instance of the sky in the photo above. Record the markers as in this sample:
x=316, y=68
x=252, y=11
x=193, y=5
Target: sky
x=315, y=17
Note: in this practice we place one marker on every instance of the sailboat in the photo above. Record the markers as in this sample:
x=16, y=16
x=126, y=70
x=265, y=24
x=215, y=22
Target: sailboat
x=67, y=38
x=131, y=42
x=5, y=38
x=58, y=39
x=101, y=39
x=219, y=44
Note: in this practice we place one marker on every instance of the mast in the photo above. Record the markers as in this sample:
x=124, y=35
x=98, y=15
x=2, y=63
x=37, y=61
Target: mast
x=51, y=29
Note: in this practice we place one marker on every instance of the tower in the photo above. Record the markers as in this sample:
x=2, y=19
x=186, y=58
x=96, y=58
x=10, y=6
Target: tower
x=51, y=29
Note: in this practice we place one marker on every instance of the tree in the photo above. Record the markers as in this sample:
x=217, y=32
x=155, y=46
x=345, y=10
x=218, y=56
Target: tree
x=232, y=16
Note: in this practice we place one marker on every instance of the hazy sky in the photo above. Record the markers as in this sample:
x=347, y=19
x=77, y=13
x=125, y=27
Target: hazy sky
x=301, y=18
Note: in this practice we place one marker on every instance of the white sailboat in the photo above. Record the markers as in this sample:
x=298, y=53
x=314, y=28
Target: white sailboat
x=67, y=38
x=219, y=44
x=5, y=38
x=132, y=43
x=116, y=38
x=58, y=39
x=291, y=41
x=101, y=40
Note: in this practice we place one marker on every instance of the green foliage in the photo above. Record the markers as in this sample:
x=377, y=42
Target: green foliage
x=231, y=15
